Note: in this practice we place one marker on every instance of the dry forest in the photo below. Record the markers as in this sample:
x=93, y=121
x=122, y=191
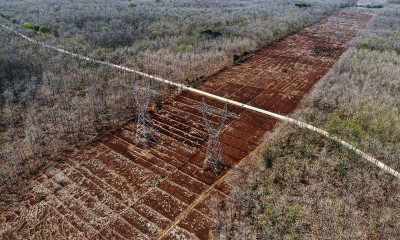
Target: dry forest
x=162, y=119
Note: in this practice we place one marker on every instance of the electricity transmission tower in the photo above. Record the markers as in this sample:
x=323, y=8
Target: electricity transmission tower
x=214, y=158
x=144, y=128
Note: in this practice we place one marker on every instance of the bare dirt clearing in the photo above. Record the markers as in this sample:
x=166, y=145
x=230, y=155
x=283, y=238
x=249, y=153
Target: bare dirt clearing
x=118, y=189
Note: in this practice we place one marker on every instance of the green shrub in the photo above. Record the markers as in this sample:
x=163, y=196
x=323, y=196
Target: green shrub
x=304, y=174
x=365, y=45
x=28, y=25
x=234, y=35
x=342, y=167
x=133, y=5
x=155, y=33
x=159, y=104
x=4, y=15
x=294, y=212
x=374, y=6
x=217, y=24
x=44, y=29
x=40, y=197
x=268, y=159
x=303, y=5
x=184, y=47
x=193, y=82
x=245, y=54
x=304, y=149
x=240, y=58
x=210, y=33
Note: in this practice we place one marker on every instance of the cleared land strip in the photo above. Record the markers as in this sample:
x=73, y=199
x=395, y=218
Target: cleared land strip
x=364, y=155
x=117, y=189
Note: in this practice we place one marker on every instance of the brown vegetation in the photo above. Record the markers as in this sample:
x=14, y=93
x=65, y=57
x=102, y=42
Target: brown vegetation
x=172, y=39
x=117, y=187
x=304, y=186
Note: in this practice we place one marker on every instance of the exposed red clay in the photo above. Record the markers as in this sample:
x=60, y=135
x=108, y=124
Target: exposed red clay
x=117, y=189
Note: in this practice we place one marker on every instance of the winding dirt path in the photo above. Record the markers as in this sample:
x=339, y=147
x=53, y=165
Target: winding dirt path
x=117, y=189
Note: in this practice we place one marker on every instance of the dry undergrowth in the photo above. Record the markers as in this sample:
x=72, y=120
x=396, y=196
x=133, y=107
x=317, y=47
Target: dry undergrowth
x=305, y=186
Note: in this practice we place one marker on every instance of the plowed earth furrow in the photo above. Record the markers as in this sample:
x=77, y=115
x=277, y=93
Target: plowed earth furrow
x=120, y=189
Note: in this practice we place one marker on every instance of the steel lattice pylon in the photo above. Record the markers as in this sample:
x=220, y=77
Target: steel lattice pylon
x=214, y=158
x=144, y=128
